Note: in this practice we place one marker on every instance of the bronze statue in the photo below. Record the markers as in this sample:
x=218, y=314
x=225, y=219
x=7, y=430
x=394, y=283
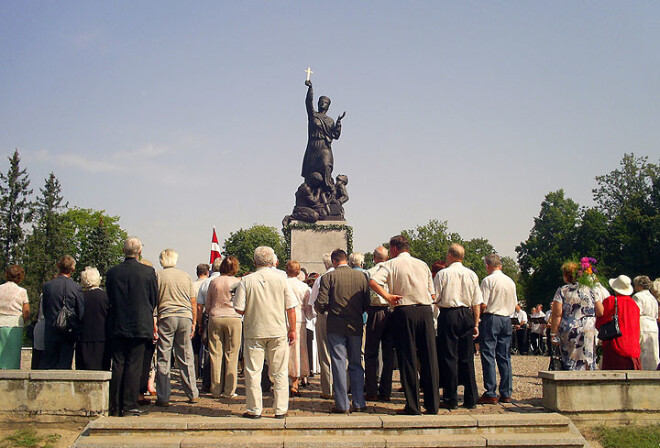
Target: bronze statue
x=321, y=131
x=319, y=197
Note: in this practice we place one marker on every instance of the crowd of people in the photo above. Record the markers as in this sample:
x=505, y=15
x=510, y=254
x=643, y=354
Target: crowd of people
x=352, y=326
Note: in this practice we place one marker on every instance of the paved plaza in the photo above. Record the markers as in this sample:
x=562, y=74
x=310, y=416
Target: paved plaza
x=527, y=397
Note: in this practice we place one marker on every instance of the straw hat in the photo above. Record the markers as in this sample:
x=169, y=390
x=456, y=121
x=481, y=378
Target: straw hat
x=622, y=285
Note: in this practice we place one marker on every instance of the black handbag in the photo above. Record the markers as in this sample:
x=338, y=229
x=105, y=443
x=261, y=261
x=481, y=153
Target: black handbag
x=66, y=320
x=611, y=330
x=555, y=358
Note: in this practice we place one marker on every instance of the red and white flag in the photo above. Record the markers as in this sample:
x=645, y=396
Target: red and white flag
x=215, y=248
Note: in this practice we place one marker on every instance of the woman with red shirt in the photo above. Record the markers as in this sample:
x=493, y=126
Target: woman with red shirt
x=621, y=353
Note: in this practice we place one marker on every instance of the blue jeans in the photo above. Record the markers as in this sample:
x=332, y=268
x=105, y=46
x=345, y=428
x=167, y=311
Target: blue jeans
x=495, y=343
x=349, y=348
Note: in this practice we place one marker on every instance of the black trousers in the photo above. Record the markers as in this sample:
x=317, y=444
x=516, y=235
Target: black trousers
x=380, y=335
x=58, y=352
x=521, y=337
x=92, y=356
x=127, y=360
x=456, y=355
x=415, y=344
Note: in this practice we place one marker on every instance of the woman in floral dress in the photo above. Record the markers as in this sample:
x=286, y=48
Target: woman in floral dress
x=574, y=318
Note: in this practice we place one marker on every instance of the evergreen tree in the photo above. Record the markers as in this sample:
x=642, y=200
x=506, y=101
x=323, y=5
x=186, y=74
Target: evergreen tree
x=48, y=242
x=15, y=210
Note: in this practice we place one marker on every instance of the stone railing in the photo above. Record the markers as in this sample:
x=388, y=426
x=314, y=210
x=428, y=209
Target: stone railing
x=602, y=391
x=73, y=393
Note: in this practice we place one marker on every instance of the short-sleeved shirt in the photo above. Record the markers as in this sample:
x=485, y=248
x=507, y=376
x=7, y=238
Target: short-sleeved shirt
x=457, y=286
x=219, y=297
x=408, y=277
x=499, y=294
x=263, y=297
x=377, y=300
x=175, y=289
x=204, y=288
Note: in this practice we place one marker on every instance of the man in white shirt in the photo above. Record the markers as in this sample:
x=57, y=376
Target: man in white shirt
x=459, y=300
x=520, y=338
x=380, y=337
x=537, y=330
x=499, y=294
x=266, y=302
x=321, y=335
x=410, y=292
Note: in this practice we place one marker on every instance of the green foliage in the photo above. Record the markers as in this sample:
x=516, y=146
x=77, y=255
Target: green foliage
x=629, y=436
x=28, y=438
x=47, y=242
x=95, y=239
x=629, y=199
x=242, y=244
x=431, y=241
x=550, y=243
x=15, y=210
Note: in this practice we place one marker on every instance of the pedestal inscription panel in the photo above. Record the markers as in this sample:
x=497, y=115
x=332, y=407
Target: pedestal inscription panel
x=310, y=242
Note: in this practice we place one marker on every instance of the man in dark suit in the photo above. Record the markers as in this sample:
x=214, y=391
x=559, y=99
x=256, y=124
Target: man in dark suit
x=344, y=294
x=58, y=347
x=133, y=294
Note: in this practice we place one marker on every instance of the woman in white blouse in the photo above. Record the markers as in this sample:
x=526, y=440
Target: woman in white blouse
x=14, y=311
x=648, y=324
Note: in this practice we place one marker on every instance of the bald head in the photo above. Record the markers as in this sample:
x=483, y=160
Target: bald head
x=456, y=252
x=380, y=254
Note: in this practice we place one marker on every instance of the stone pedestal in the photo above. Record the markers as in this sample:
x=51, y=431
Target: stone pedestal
x=309, y=242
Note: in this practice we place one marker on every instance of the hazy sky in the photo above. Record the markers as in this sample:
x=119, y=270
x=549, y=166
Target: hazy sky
x=178, y=116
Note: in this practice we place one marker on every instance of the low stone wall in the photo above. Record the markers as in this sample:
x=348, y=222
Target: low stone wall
x=601, y=391
x=75, y=393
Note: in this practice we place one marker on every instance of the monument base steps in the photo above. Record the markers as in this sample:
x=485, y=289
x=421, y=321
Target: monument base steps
x=543, y=430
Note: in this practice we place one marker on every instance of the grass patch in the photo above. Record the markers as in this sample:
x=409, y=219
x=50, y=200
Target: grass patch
x=629, y=436
x=28, y=438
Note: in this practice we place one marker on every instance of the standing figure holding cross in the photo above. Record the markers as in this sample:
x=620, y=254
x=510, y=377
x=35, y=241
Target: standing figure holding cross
x=321, y=130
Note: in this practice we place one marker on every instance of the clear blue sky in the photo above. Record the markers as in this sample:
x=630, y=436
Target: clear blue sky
x=179, y=116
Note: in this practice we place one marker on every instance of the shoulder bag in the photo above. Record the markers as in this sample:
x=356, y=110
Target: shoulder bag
x=611, y=329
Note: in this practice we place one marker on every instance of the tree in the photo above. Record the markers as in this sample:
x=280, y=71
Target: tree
x=629, y=199
x=431, y=241
x=47, y=242
x=242, y=244
x=15, y=210
x=550, y=243
x=95, y=238
x=475, y=251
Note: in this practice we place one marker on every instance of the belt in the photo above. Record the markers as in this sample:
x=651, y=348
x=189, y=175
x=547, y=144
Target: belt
x=379, y=306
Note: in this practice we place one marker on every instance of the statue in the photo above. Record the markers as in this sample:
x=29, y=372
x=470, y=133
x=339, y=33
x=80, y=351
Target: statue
x=319, y=197
x=321, y=131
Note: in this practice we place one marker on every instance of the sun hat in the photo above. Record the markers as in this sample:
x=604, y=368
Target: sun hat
x=622, y=285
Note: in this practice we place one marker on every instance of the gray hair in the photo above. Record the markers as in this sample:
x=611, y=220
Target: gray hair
x=264, y=256
x=356, y=260
x=642, y=281
x=90, y=278
x=493, y=260
x=132, y=247
x=327, y=261
x=216, y=264
x=168, y=258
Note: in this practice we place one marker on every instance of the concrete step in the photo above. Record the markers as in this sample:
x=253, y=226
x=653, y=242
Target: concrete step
x=332, y=425
x=508, y=430
x=556, y=440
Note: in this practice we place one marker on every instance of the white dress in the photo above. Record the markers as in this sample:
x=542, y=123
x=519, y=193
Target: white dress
x=298, y=360
x=648, y=329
